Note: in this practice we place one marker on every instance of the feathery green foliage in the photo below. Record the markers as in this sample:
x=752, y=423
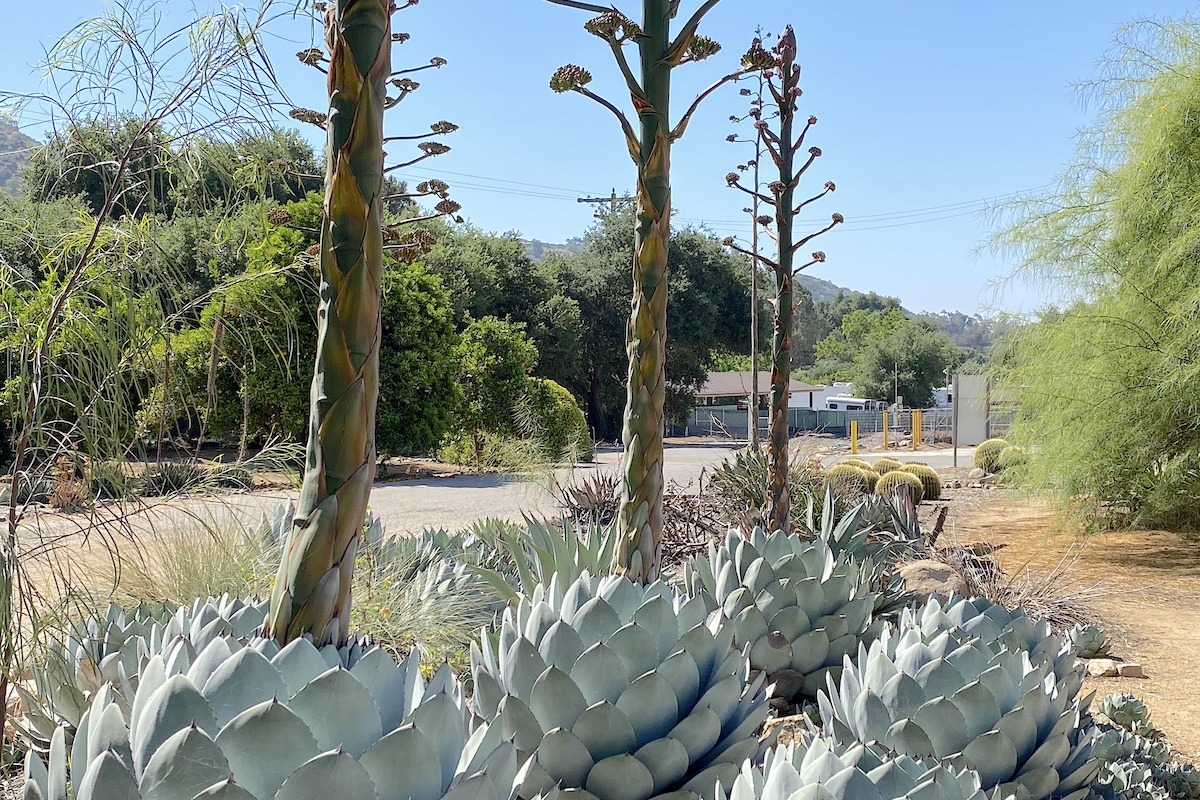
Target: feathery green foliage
x=1107, y=381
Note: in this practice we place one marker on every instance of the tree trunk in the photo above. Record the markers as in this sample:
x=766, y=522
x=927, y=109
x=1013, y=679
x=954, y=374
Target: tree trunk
x=641, y=515
x=312, y=589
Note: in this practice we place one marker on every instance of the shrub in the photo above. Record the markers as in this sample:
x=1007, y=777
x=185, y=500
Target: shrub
x=931, y=482
x=169, y=478
x=888, y=483
x=885, y=465
x=987, y=455
x=552, y=417
x=109, y=481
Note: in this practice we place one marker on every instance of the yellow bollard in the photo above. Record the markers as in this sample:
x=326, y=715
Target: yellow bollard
x=916, y=428
x=853, y=437
x=885, y=431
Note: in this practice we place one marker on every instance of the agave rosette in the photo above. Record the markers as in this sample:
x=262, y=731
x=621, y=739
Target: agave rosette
x=970, y=703
x=1090, y=641
x=111, y=649
x=618, y=690
x=826, y=770
x=255, y=722
x=798, y=608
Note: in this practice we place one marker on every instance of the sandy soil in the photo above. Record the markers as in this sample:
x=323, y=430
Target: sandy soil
x=1144, y=587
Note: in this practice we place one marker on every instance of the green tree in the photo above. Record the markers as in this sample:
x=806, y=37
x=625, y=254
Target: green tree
x=910, y=361
x=418, y=391
x=1107, y=382
x=708, y=308
x=495, y=359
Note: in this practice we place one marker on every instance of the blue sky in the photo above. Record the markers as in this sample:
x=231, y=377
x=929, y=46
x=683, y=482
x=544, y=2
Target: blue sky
x=926, y=110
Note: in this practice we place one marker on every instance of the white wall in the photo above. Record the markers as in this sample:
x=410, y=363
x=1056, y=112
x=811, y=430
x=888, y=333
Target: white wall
x=972, y=404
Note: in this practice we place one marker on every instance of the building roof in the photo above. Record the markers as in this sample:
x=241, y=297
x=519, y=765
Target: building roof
x=737, y=384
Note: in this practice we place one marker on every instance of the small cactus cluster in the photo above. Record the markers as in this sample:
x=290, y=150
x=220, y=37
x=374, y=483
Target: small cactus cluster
x=987, y=455
x=931, y=482
x=889, y=482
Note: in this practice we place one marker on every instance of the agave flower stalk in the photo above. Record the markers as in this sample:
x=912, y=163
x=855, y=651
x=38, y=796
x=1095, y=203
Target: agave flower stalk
x=659, y=53
x=782, y=77
x=312, y=588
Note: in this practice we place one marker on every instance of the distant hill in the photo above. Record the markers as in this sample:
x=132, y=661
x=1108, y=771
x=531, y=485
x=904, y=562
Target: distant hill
x=821, y=289
x=537, y=250
x=14, y=154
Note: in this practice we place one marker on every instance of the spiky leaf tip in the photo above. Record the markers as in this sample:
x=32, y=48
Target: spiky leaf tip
x=569, y=78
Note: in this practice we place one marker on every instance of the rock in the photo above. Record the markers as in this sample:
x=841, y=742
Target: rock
x=1102, y=668
x=957, y=485
x=976, y=474
x=1131, y=669
x=928, y=577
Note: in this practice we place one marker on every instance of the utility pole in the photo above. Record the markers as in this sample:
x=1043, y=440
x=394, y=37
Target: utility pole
x=611, y=200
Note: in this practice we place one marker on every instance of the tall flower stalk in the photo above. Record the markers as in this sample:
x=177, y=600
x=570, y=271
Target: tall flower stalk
x=784, y=143
x=312, y=588
x=659, y=53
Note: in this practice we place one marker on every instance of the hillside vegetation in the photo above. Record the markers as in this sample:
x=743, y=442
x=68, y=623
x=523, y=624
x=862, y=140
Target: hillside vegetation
x=14, y=155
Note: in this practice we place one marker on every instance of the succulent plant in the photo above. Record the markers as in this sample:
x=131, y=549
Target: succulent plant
x=931, y=482
x=255, y=722
x=830, y=771
x=857, y=462
x=997, y=626
x=1011, y=456
x=798, y=608
x=1128, y=712
x=619, y=689
x=871, y=477
x=539, y=551
x=1090, y=641
x=987, y=454
x=971, y=704
x=847, y=480
x=885, y=465
x=112, y=649
x=889, y=481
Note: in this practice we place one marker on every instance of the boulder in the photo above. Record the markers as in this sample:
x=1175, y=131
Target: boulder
x=1131, y=669
x=976, y=474
x=927, y=577
x=1102, y=668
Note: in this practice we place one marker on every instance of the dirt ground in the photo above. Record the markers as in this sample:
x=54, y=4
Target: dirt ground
x=1144, y=588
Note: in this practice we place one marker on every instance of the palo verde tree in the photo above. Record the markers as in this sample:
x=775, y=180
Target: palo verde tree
x=782, y=78
x=1107, y=381
x=659, y=53
x=312, y=589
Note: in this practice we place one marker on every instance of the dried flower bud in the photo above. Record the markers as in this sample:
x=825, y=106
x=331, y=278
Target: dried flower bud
x=420, y=237
x=755, y=112
x=448, y=207
x=815, y=152
x=406, y=85
x=838, y=219
x=612, y=25
x=320, y=7
x=443, y=127
x=761, y=125
x=433, y=148
x=313, y=250
x=701, y=47
x=279, y=217
x=764, y=219
x=796, y=91
x=433, y=186
x=308, y=115
x=734, y=119
x=401, y=38
x=830, y=186
x=312, y=56
x=757, y=57
x=769, y=74
x=812, y=120
x=728, y=241
x=777, y=187
x=569, y=77
x=732, y=178
x=745, y=92
x=731, y=137
x=747, y=211
x=819, y=257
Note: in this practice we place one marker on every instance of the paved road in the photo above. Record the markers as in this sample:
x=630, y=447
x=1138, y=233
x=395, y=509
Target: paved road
x=411, y=506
